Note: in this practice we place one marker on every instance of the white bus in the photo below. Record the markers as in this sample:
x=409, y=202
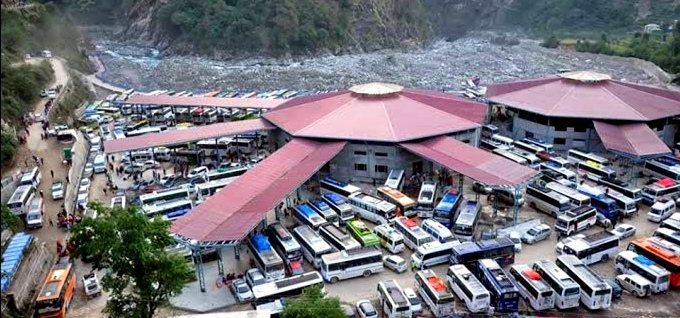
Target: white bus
x=352, y=263
x=285, y=243
x=321, y=207
x=668, y=234
x=338, y=237
x=437, y=230
x=170, y=210
x=507, y=154
x=414, y=236
x=502, y=140
x=626, y=205
x=286, y=287
x=20, y=200
x=432, y=253
x=390, y=239
x=598, y=247
x=205, y=190
x=661, y=189
x=576, y=220
x=435, y=293
x=595, y=292
x=145, y=130
x=118, y=202
x=559, y=162
x=546, y=200
x=265, y=258
x=328, y=184
x=575, y=156
x=313, y=246
x=426, y=199
x=564, y=172
x=535, y=291
x=621, y=187
x=468, y=288
x=164, y=195
x=305, y=214
x=540, y=144
x=339, y=205
x=528, y=147
x=663, y=168
x=531, y=159
x=629, y=262
x=567, y=291
x=464, y=227
x=31, y=177
x=595, y=171
x=371, y=208
x=230, y=173
x=393, y=300
x=575, y=197
x=405, y=205
x=395, y=180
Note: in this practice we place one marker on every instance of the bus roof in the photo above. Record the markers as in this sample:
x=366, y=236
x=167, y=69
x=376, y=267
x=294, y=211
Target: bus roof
x=435, y=284
x=19, y=193
x=336, y=199
x=350, y=254
x=397, y=196
x=468, y=213
x=54, y=281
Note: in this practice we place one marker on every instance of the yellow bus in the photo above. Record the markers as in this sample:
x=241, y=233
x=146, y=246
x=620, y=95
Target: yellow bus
x=405, y=204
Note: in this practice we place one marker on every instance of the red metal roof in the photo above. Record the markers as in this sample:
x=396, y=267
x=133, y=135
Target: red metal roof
x=472, y=162
x=402, y=115
x=165, y=100
x=180, y=136
x=234, y=211
x=635, y=139
x=606, y=99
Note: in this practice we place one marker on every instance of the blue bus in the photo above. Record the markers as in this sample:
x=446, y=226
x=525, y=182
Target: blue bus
x=446, y=209
x=600, y=201
x=504, y=293
x=305, y=214
x=501, y=250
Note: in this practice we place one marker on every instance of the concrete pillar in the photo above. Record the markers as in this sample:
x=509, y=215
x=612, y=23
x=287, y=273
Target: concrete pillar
x=220, y=263
x=237, y=251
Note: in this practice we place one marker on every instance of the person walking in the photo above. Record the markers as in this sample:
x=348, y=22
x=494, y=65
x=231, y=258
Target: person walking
x=42, y=194
x=52, y=173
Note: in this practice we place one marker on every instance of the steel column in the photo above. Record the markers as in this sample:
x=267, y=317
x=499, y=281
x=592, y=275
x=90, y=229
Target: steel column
x=220, y=263
x=237, y=251
x=199, y=271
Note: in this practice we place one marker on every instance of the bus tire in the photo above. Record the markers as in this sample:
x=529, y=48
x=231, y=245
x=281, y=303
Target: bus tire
x=533, y=205
x=367, y=273
x=334, y=280
x=605, y=257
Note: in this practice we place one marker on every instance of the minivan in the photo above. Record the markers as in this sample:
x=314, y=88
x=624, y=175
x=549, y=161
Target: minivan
x=635, y=284
x=35, y=213
x=661, y=210
x=99, y=164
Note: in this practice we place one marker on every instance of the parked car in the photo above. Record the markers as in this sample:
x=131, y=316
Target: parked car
x=603, y=221
x=168, y=180
x=144, y=184
x=224, y=166
x=623, y=230
x=254, y=277
x=88, y=171
x=414, y=300
x=536, y=234
x=516, y=238
x=617, y=291
x=564, y=241
x=91, y=285
x=348, y=310
x=241, y=290
x=487, y=234
x=395, y=263
x=198, y=171
x=366, y=309
x=57, y=190
x=543, y=155
x=635, y=284
x=481, y=188
x=81, y=200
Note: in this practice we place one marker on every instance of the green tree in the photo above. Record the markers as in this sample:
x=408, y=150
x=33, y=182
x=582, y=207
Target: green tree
x=9, y=220
x=313, y=304
x=8, y=148
x=551, y=42
x=141, y=275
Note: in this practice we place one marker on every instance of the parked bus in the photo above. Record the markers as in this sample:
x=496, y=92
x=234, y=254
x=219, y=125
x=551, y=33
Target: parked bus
x=547, y=201
x=390, y=239
x=426, y=199
x=414, y=236
x=205, y=190
x=530, y=158
x=662, y=189
x=464, y=227
x=468, y=288
x=339, y=205
x=507, y=154
x=437, y=230
x=501, y=250
x=598, y=247
x=180, y=192
x=118, y=202
x=435, y=293
x=595, y=171
x=502, y=140
x=57, y=291
x=528, y=147
x=144, y=131
x=576, y=220
x=287, y=247
x=20, y=200
x=351, y=263
x=575, y=197
x=265, y=258
x=626, y=205
x=313, y=246
x=305, y=214
x=535, y=291
x=171, y=209
x=328, y=184
x=215, y=146
x=559, y=162
x=393, y=300
x=667, y=234
x=446, y=209
x=405, y=205
x=672, y=222
x=564, y=172
x=362, y=233
x=595, y=292
x=338, y=237
x=540, y=144
x=663, y=168
x=286, y=287
x=504, y=293
x=602, y=203
x=666, y=258
x=567, y=291
x=431, y=254
x=321, y=207
x=31, y=177
x=230, y=173
x=621, y=187
x=575, y=156
x=371, y=208
x=395, y=180
x=629, y=262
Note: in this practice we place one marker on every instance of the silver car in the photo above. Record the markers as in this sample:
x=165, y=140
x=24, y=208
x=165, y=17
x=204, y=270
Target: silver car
x=536, y=234
x=241, y=290
x=623, y=230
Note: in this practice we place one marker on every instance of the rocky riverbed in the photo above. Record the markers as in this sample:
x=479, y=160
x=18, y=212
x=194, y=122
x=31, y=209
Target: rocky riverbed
x=441, y=66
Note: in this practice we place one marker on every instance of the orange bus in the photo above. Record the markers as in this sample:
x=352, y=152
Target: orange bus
x=405, y=204
x=662, y=256
x=57, y=292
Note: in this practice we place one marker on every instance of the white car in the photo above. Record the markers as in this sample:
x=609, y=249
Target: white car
x=57, y=190
x=537, y=233
x=560, y=245
x=198, y=171
x=366, y=309
x=151, y=164
x=254, y=277
x=623, y=230
x=82, y=200
x=91, y=285
x=85, y=182
x=414, y=300
x=241, y=290
x=395, y=263
x=83, y=189
x=516, y=238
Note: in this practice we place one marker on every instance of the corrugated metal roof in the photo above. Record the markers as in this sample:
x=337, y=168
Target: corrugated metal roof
x=472, y=162
x=165, y=100
x=634, y=139
x=399, y=115
x=603, y=99
x=180, y=136
x=234, y=211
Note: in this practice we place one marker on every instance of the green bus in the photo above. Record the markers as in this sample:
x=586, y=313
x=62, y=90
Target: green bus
x=362, y=233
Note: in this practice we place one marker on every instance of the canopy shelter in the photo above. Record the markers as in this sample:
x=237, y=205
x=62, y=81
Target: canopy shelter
x=472, y=162
x=196, y=101
x=636, y=140
x=181, y=136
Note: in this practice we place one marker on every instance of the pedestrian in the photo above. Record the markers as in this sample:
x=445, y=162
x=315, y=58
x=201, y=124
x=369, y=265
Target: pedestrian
x=67, y=180
x=52, y=173
x=51, y=223
x=41, y=194
x=164, y=172
x=104, y=191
